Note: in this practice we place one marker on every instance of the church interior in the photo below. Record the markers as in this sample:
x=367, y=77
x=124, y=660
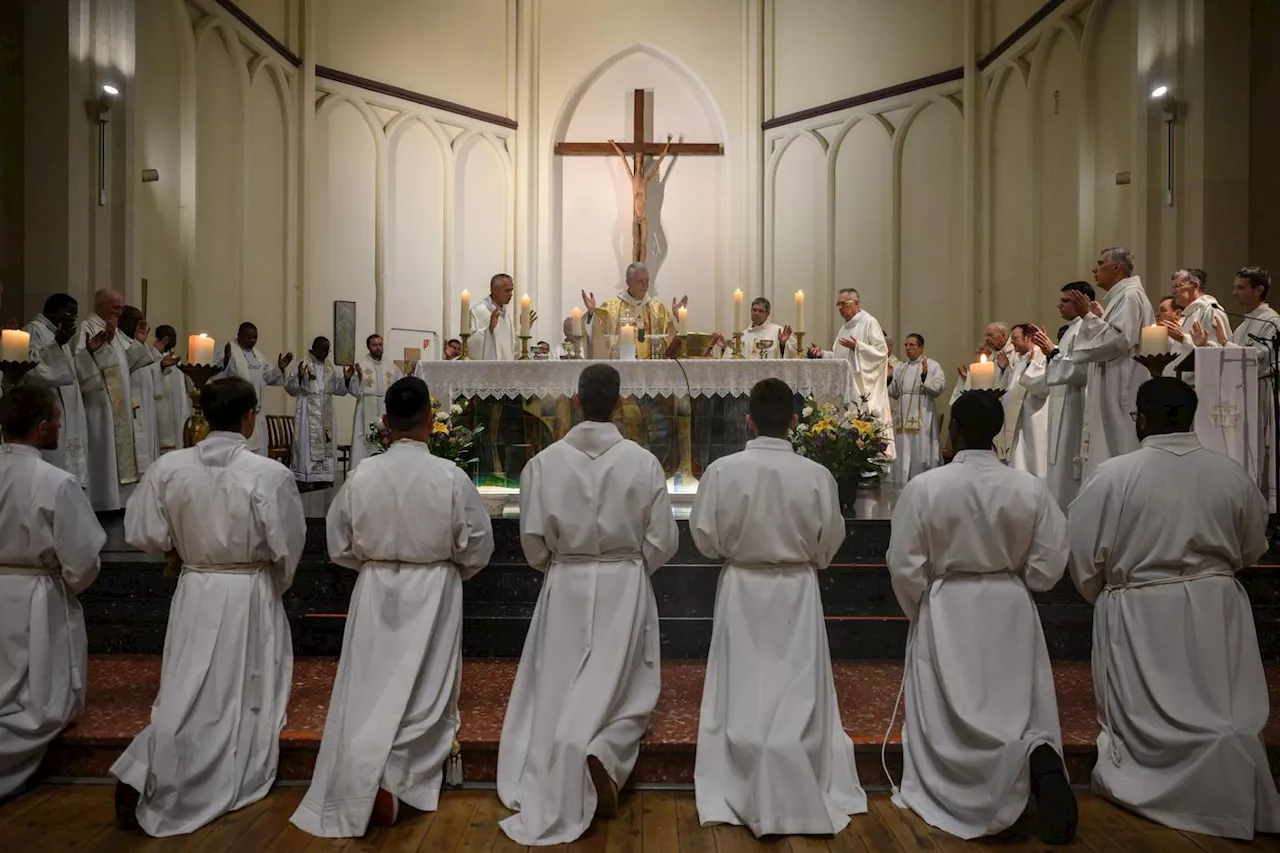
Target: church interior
x=349, y=169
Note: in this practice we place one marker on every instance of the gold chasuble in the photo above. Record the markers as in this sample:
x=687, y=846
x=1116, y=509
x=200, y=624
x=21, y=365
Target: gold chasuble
x=649, y=314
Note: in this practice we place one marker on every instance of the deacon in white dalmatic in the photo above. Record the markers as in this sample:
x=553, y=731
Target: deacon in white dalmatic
x=1066, y=379
x=414, y=527
x=1024, y=440
x=48, y=554
x=1182, y=696
x=772, y=752
x=594, y=515
x=374, y=374
x=861, y=341
x=915, y=388
x=314, y=384
x=970, y=542
x=244, y=360
x=59, y=367
x=235, y=522
x=1107, y=341
x=173, y=392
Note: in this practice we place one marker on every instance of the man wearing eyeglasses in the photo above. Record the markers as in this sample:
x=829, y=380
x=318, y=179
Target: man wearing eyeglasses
x=861, y=341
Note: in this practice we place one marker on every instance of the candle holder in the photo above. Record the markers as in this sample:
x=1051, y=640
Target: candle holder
x=801, y=352
x=1155, y=363
x=13, y=371
x=466, y=352
x=737, y=345
x=576, y=349
x=524, y=347
x=196, y=428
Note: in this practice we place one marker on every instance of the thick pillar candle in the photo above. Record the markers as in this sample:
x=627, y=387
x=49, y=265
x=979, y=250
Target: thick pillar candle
x=526, y=312
x=576, y=317
x=799, y=326
x=466, y=312
x=682, y=320
x=1155, y=340
x=737, y=310
x=627, y=342
x=14, y=345
x=200, y=349
x=982, y=375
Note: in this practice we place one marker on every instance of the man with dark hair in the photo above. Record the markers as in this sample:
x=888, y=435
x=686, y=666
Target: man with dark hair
x=595, y=517
x=314, y=385
x=452, y=349
x=173, y=391
x=915, y=387
x=48, y=554
x=243, y=359
x=761, y=331
x=774, y=518
x=1182, y=697
x=414, y=527
x=373, y=375
x=61, y=368
x=236, y=524
x=970, y=541
x=1066, y=380
x=1025, y=439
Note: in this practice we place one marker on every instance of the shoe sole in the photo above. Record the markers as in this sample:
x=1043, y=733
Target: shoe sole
x=1056, y=811
x=606, y=790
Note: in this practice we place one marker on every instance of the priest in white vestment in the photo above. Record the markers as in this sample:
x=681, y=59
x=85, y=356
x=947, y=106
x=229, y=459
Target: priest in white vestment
x=415, y=528
x=173, y=392
x=962, y=371
x=48, y=554
x=1025, y=438
x=777, y=341
x=113, y=446
x=970, y=542
x=1066, y=379
x=1199, y=309
x=1178, y=677
x=1106, y=340
x=998, y=340
x=144, y=388
x=314, y=384
x=861, y=341
x=373, y=376
x=915, y=388
x=773, y=755
x=244, y=359
x=595, y=517
x=235, y=521
x=493, y=328
x=62, y=369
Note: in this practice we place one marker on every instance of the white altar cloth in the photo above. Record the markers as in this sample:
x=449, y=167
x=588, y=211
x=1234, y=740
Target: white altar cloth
x=1233, y=414
x=825, y=379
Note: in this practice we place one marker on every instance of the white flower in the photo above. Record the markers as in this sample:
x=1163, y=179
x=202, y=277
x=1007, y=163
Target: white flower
x=455, y=409
x=807, y=411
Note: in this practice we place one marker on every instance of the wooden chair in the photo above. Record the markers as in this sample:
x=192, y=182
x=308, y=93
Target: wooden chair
x=280, y=429
x=947, y=453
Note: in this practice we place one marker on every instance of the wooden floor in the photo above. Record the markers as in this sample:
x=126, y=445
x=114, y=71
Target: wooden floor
x=81, y=818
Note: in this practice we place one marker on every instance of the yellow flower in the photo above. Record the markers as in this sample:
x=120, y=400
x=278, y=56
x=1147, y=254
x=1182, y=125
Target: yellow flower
x=824, y=425
x=862, y=426
x=439, y=429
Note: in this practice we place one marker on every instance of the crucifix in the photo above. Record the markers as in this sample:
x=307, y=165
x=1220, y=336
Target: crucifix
x=638, y=149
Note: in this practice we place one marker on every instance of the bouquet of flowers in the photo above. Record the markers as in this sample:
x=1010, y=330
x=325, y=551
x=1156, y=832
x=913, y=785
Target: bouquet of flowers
x=846, y=440
x=451, y=441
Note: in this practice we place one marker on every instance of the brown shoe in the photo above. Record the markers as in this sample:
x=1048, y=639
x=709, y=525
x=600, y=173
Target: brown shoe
x=386, y=809
x=606, y=788
x=127, y=807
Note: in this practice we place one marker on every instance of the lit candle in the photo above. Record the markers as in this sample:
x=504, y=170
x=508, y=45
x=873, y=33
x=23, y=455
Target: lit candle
x=526, y=311
x=1155, y=340
x=982, y=374
x=737, y=310
x=627, y=342
x=682, y=320
x=15, y=345
x=799, y=326
x=200, y=349
x=575, y=317
x=466, y=312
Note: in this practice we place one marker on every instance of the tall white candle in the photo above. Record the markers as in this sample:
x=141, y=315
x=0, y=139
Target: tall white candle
x=200, y=349
x=799, y=326
x=526, y=312
x=466, y=312
x=682, y=320
x=576, y=317
x=627, y=342
x=737, y=310
x=982, y=375
x=14, y=345
x=1155, y=340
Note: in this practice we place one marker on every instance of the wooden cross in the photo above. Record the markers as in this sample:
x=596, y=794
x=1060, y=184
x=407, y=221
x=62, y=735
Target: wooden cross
x=638, y=149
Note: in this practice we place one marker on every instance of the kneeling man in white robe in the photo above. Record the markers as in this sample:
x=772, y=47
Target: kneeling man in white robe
x=1182, y=696
x=595, y=516
x=235, y=521
x=415, y=528
x=772, y=752
x=970, y=542
x=48, y=554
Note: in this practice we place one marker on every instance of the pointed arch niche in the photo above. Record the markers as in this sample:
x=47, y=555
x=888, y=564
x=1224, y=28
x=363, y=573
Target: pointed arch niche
x=591, y=197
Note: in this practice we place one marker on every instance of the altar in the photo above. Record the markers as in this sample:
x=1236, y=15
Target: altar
x=688, y=412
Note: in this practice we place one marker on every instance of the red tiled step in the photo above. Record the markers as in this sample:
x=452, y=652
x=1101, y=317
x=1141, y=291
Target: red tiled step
x=122, y=688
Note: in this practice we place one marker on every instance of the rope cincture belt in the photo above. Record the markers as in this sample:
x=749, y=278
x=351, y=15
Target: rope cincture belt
x=1112, y=734
x=225, y=568
x=47, y=571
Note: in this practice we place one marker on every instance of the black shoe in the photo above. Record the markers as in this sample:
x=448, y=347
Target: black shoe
x=127, y=807
x=1056, y=814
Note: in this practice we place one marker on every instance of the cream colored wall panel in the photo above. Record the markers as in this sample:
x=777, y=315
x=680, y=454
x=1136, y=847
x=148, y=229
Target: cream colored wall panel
x=480, y=222
x=1055, y=86
x=1111, y=84
x=931, y=222
x=1009, y=235
x=278, y=17
x=415, y=239
x=863, y=218
x=797, y=186
x=451, y=49
x=999, y=18
x=158, y=93
x=825, y=50
x=215, y=297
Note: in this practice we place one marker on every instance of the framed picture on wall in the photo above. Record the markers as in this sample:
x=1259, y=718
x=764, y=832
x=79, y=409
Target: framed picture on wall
x=344, y=333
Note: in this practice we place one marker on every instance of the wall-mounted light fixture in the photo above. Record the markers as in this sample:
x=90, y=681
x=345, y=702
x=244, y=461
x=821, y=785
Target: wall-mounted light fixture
x=1169, y=106
x=150, y=176
x=104, y=102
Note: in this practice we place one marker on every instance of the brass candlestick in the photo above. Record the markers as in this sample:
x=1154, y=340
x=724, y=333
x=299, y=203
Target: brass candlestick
x=801, y=352
x=466, y=352
x=196, y=428
x=524, y=347
x=13, y=371
x=1156, y=362
x=737, y=344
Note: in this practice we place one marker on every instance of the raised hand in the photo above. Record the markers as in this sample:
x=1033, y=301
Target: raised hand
x=493, y=319
x=1219, y=332
x=717, y=340
x=924, y=365
x=1199, y=336
x=815, y=351
x=349, y=371
x=1095, y=308
x=784, y=335
x=168, y=361
x=1041, y=339
x=95, y=343
x=66, y=331
x=1002, y=360
x=676, y=305
x=282, y=361
x=533, y=318
x=1079, y=302
x=1175, y=330
x=963, y=371
x=589, y=300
